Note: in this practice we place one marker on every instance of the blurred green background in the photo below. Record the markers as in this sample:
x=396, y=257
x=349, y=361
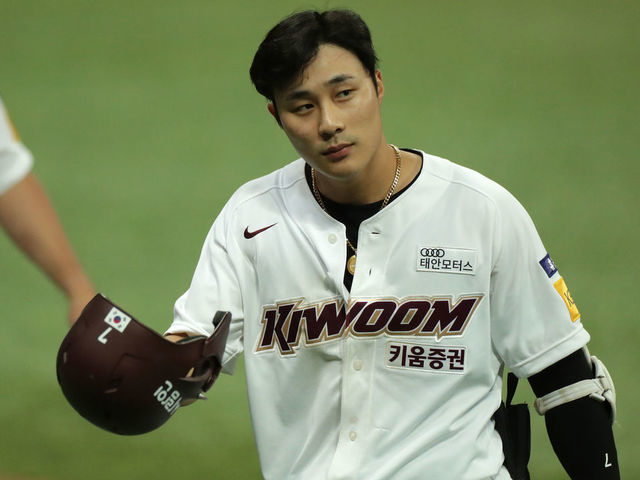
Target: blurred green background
x=142, y=120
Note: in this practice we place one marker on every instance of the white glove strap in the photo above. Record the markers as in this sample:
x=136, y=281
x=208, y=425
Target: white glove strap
x=600, y=388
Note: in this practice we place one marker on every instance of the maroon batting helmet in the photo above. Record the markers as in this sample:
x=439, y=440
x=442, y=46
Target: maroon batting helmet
x=126, y=378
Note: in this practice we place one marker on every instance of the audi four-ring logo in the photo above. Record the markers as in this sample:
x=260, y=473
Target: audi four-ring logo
x=432, y=252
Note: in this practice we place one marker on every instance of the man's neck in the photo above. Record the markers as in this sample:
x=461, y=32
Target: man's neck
x=373, y=183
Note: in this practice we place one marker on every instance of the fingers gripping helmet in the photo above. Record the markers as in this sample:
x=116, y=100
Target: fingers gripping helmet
x=126, y=378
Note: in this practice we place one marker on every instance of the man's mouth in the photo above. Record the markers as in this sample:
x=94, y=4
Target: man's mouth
x=337, y=152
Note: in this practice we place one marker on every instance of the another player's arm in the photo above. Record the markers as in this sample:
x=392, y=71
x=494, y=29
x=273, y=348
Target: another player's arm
x=32, y=223
x=580, y=430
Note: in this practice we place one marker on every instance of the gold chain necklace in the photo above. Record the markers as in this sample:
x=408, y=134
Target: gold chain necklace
x=351, y=263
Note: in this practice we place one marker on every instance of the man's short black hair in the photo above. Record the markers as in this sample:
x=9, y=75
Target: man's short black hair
x=293, y=43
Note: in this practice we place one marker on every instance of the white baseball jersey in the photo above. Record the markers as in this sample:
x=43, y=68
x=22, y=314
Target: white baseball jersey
x=399, y=378
x=15, y=159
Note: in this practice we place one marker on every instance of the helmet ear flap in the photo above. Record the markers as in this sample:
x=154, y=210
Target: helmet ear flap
x=127, y=379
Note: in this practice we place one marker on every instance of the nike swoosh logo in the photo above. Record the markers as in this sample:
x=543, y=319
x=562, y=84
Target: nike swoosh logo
x=248, y=234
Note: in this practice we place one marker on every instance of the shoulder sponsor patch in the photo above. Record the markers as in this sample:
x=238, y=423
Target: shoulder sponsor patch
x=561, y=288
x=447, y=260
x=548, y=266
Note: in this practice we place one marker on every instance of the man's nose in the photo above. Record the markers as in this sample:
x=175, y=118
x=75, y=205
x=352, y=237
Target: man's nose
x=330, y=122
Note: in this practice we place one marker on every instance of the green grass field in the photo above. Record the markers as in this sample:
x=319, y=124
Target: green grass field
x=142, y=120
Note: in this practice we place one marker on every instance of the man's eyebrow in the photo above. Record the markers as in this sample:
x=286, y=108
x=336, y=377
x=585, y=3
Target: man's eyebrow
x=339, y=79
x=297, y=94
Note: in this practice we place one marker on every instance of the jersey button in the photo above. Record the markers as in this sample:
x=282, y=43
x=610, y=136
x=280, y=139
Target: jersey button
x=352, y=436
x=333, y=238
x=357, y=365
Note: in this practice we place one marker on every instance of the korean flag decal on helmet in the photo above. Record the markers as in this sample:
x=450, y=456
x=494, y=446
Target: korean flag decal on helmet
x=117, y=320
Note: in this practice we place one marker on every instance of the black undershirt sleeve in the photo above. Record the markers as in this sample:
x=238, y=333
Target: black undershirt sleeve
x=580, y=431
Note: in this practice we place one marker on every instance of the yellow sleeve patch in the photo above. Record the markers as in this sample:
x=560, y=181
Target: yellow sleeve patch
x=562, y=289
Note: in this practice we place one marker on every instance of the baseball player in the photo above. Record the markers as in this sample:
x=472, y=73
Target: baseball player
x=28, y=217
x=377, y=293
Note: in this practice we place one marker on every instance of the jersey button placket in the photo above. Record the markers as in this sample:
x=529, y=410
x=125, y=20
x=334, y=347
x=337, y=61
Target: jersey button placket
x=369, y=256
x=333, y=280
x=353, y=434
x=352, y=446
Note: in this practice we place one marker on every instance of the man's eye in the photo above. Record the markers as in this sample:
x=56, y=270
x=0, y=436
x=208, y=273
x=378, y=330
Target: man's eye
x=345, y=93
x=303, y=108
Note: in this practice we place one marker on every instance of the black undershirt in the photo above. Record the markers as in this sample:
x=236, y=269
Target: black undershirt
x=351, y=216
x=580, y=431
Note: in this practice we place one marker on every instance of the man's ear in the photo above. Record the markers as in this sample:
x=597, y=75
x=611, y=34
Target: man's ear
x=379, y=85
x=274, y=112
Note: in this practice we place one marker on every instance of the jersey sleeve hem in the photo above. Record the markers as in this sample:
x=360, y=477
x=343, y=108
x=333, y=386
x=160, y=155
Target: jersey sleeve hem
x=229, y=361
x=575, y=341
x=182, y=327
